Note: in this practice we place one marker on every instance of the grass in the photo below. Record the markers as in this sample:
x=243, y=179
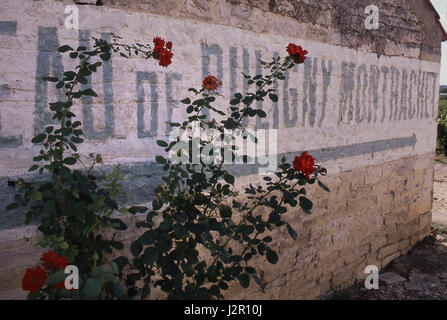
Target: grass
x=441, y=158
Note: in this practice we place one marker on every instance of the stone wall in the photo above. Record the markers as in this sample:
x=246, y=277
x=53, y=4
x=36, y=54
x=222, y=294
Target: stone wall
x=364, y=105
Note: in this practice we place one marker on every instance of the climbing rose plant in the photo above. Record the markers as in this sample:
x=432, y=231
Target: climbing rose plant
x=196, y=206
x=74, y=206
x=202, y=233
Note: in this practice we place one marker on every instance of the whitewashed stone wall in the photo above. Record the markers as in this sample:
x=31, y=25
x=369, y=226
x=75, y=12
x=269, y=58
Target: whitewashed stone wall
x=370, y=119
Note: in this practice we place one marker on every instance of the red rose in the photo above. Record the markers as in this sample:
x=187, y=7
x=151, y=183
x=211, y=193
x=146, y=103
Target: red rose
x=304, y=163
x=34, y=279
x=211, y=83
x=162, y=54
x=52, y=260
x=157, y=51
x=159, y=42
x=164, y=57
x=297, y=53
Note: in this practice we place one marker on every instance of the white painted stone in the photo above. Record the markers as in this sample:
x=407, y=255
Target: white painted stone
x=18, y=68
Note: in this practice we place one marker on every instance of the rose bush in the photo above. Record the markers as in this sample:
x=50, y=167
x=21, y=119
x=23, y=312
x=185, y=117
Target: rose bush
x=74, y=206
x=195, y=206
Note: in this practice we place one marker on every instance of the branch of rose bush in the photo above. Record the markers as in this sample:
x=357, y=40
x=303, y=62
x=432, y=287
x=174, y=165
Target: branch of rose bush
x=304, y=164
x=296, y=54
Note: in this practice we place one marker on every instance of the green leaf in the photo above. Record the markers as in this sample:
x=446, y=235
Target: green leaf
x=149, y=256
x=37, y=196
x=50, y=79
x=292, y=232
x=66, y=131
x=89, y=92
x=69, y=75
x=186, y=101
x=48, y=207
x=117, y=245
x=261, y=113
x=118, y=224
x=230, y=124
x=235, y=101
x=105, y=56
x=273, y=97
x=76, y=139
x=73, y=147
x=160, y=159
x=180, y=231
x=39, y=138
x=250, y=270
x=70, y=161
x=82, y=80
x=92, y=288
x=135, y=248
x=162, y=143
x=306, y=205
x=322, y=185
x=228, y=178
x=156, y=204
x=60, y=84
x=56, y=278
x=165, y=225
x=223, y=285
x=65, y=48
x=137, y=209
x=247, y=230
x=146, y=238
x=272, y=256
x=121, y=261
x=118, y=290
x=12, y=206
x=244, y=280
x=64, y=245
x=33, y=167
x=225, y=212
